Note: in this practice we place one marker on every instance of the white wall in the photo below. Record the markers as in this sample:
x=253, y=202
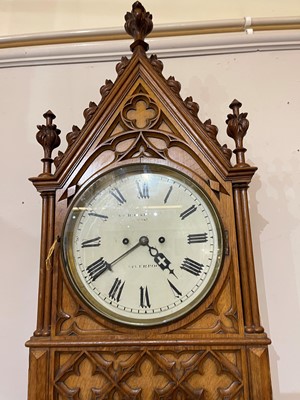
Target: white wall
x=27, y=16
x=268, y=85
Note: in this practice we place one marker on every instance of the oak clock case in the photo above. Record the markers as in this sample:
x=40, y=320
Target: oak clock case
x=147, y=285
x=142, y=245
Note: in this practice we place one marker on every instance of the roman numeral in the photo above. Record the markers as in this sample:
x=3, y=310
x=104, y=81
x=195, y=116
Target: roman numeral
x=192, y=266
x=118, y=195
x=116, y=290
x=175, y=291
x=94, y=214
x=188, y=212
x=143, y=190
x=168, y=194
x=96, y=269
x=91, y=242
x=144, y=297
x=197, y=238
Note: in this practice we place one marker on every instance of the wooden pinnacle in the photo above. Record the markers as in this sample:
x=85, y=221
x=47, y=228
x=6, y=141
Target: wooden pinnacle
x=48, y=137
x=237, y=126
x=138, y=25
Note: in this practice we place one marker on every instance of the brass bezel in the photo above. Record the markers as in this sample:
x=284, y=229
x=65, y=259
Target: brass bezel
x=101, y=182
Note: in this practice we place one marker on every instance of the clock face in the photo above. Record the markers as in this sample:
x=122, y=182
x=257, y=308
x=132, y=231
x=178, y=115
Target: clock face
x=142, y=245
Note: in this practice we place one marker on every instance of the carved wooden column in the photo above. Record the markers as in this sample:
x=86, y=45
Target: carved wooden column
x=237, y=129
x=48, y=137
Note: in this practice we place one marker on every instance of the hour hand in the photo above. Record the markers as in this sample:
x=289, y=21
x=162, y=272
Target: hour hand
x=97, y=268
x=161, y=260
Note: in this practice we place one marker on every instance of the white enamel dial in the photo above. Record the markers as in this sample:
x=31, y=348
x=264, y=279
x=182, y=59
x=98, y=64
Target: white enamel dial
x=142, y=245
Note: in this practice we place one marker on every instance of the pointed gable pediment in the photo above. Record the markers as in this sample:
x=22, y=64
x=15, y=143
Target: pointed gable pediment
x=140, y=116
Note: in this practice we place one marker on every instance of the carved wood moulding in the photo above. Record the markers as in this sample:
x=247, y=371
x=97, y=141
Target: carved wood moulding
x=172, y=374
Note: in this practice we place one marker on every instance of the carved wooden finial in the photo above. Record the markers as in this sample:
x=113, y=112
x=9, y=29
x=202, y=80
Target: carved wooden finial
x=48, y=137
x=138, y=25
x=237, y=129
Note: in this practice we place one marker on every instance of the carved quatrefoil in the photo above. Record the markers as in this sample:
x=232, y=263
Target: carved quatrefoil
x=140, y=112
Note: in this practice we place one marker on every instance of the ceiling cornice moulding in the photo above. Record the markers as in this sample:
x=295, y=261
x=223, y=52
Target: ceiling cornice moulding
x=247, y=24
x=165, y=47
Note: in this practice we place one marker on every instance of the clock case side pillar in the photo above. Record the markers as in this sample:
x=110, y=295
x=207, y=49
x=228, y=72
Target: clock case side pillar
x=246, y=260
x=241, y=175
x=257, y=356
x=45, y=276
x=48, y=138
x=257, y=359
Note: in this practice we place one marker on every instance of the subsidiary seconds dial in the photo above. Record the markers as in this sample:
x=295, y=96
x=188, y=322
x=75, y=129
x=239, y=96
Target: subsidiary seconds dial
x=142, y=245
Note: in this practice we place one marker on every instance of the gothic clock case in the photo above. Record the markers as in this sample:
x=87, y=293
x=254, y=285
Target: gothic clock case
x=147, y=283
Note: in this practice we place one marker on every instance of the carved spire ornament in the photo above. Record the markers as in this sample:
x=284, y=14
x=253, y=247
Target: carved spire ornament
x=147, y=283
x=237, y=129
x=48, y=137
x=138, y=25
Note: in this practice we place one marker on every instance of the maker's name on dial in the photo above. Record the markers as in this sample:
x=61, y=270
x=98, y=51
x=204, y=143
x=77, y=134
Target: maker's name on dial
x=134, y=266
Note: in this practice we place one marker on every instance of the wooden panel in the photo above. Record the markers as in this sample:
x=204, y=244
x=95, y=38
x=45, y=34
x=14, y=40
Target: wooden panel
x=38, y=374
x=260, y=381
x=145, y=373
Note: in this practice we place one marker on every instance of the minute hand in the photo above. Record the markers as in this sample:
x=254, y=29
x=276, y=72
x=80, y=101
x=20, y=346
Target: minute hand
x=98, y=267
x=125, y=254
x=143, y=241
